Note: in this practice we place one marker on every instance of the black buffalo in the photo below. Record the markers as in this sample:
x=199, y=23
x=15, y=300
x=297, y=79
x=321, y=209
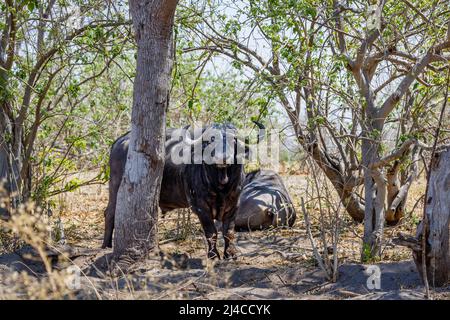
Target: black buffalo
x=211, y=190
x=264, y=202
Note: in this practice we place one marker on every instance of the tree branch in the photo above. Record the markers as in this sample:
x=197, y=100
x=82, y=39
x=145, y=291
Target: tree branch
x=416, y=70
x=396, y=154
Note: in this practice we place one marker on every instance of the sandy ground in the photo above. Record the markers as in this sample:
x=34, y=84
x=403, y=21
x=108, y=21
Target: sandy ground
x=272, y=264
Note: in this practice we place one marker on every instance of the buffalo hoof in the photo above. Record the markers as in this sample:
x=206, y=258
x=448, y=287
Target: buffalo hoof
x=106, y=245
x=213, y=254
x=230, y=254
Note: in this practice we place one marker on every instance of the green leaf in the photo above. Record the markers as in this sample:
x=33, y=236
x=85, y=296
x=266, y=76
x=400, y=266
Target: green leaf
x=31, y=5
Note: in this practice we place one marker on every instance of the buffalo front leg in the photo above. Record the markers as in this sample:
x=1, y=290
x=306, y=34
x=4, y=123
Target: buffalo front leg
x=109, y=227
x=110, y=212
x=229, y=236
x=211, y=235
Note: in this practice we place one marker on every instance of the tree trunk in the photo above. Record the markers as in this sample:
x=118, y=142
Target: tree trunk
x=438, y=215
x=375, y=198
x=5, y=189
x=11, y=143
x=137, y=201
x=9, y=172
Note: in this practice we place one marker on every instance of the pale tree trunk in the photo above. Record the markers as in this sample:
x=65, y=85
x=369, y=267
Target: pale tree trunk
x=437, y=210
x=15, y=185
x=11, y=143
x=10, y=180
x=5, y=172
x=374, y=192
x=137, y=201
x=398, y=187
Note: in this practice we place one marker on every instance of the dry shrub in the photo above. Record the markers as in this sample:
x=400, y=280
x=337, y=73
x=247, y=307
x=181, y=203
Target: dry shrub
x=334, y=232
x=325, y=224
x=22, y=285
x=27, y=225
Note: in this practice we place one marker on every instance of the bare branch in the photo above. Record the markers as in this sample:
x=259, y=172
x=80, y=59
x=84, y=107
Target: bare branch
x=396, y=154
x=414, y=73
x=407, y=241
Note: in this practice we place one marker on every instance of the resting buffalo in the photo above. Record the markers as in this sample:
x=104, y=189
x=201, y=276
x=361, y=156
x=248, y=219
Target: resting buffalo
x=210, y=188
x=264, y=202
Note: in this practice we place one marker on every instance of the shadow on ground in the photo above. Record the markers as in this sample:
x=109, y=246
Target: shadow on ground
x=180, y=276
